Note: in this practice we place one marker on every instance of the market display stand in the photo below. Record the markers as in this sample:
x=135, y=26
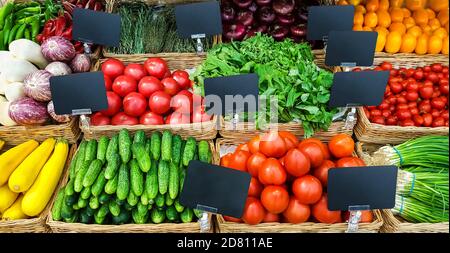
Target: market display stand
x=37, y=224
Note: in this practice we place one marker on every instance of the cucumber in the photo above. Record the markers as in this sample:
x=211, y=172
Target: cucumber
x=147, y=147
x=137, y=178
x=76, y=158
x=171, y=213
x=90, y=211
x=159, y=200
x=82, y=203
x=144, y=198
x=70, y=200
x=91, y=175
x=103, y=210
x=178, y=206
x=86, y=193
x=73, y=218
x=111, y=185
x=113, y=147
x=204, y=153
x=85, y=218
x=182, y=177
x=124, y=145
x=78, y=184
x=66, y=208
x=139, y=137
x=174, y=181
x=169, y=201
x=142, y=209
x=151, y=181
x=122, y=218
x=198, y=213
x=157, y=216
x=189, y=151
x=102, y=147
x=75, y=206
x=91, y=150
x=123, y=185
x=121, y=202
x=112, y=166
x=141, y=156
x=93, y=202
x=80, y=157
x=139, y=218
x=99, y=220
x=69, y=190
x=99, y=184
x=195, y=156
x=132, y=199
x=163, y=177
x=177, y=144
x=187, y=215
x=103, y=198
x=156, y=145
x=128, y=207
x=114, y=208
x=56, y=210
x=166, y=146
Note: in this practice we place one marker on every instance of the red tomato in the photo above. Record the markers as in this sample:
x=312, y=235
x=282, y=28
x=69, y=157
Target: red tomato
x=254, y=211
x=393, y=72
x=391, y=120
x=418, y=75
x=199, y=115
x=375, y=113
x=402, y=107
x=135, y=70
x=275, y=199
x=418, y=120
x=282, y=163
x=412, y=96
x=151, y=118
x=108, y=82
x=321, y=172
x=134, y=104
x=239, y=159
x=366, y=216
x=255, y=162
x=272, y=172
x=433, y=77
x=272, y=145
x=297, y=163
x=253, y=144
x=427, y=68
x=122, y=118
x=188, y=94
x=438, y=122
x=341, y=145
x=378, y=120
x=395, y=87
x=177, y=118
x=148, y=85
x=242, y=146
x=98, y=119
x=159, y=102
x=123, y=85
x=383, y=106
x=171, y=86
x=113, y=68
x=168, y=74
x=386, y=65
x=349, y=162
x=156, y=67
x=401, y=100
x=307, y=189
x=425, y=106
x=386, y=113
x=407, y=122
x=270, y=217
x=322, y=145
x=437, y=103
x=436, y=67
x=231, y=219
x=182, y=78
x=414, y=111
x=296, y=212
x=427, y=119
x=287, y=135
x=403, y=114
x=181, y=103
x=321, y=212
x=114, y=104
x=444, y=89
x=435, y=113
x=313, y=152
x=289, y=144
x=255, y=188
x=225, y=160
x=444, y=115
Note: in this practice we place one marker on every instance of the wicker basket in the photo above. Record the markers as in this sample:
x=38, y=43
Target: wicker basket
x=307, y=227
x=36, y=225
x=391, y=222
x=63, y=227
x=14, y=135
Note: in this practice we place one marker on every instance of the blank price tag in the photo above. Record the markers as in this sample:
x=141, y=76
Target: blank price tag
x=350, y=49
x=82, y=91
x=198, y=18
x=215, y=189
x=324, y=19
x=364, y=88
x=373, y=186
x=96, y=27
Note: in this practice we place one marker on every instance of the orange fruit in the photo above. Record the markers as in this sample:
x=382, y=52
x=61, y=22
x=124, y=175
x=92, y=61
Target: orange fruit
x=406, y=12
x=381, y=41
x=440, y=32
x=445, y=46
x=342, y=2
x=367, y=29
x=415, y=4
x=443, y=16
x=434, y=24
x=434, y=45
x=408, y=43
x=371, y=19
x=354, y=2
x=426, y=29
x=409, y=22
x=446, y=27
x=431, y=13
x=382, y=30
x=358, y=19
x=360, y=8
x=396, y=3
x=384, y=5
x=357, y=28
x=420, y=16
x=415, y=31
x=372, y=5
x=398, y=27
x=438, y=5
x=422, y=44
x=384, y=19
x=393, y=42
x=396, y=15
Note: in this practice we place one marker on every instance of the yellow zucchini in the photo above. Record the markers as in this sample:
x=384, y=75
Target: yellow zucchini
x=7, y=198
x=38, y=196
x=13, y=157
x=15, y=211
x=2, y=143
x=23, y=177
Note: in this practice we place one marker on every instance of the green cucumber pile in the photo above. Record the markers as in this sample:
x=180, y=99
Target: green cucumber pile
x=129, y=179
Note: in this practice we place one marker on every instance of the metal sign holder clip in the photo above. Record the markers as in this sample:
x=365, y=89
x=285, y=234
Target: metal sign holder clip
x=85, y=121
x=235, y=121
x=199, y=45
x=205, y=225
x=325, y=43
x=355, y=217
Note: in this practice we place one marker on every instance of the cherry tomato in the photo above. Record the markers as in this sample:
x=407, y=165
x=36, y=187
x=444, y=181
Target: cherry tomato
x=272, y=145
x=407, y=122
x=108, y=82
x=391, y=120
x=321, y=172
x=350, y=162
x=433, y=77
x=426, y=91
x=438, y=122
x=275, y=199
x=113, y=68
x=424, y=106
x=386, y=65
x=296, y=212
x=385, y=113
x=401, y=100
x=177, y=118
x=114, y=104
x=297, y=163
x=255, y=188
x=393, y=72
x=444, y=115
x=418, y=120
x=136, y=71
x=427, y=69
x=254, y=211
x=409, y=72
x=436, y=67
x=418, y=75
x=98, y=119
x=253, y=144
x=412, y=87
x=341, y=145
x=307, y=189
x=443, y=88
x=255, y=162
x=402, y=107
x=445, y=70
x=151, y=118
x=122, y=118
x=321, y=212
x=134, y=104
x=159, y=102
x=314, y=152
x=148, y=85
x=383, y=106
x=156, y=67
x=375, y=113
x=181, y=103
x=403, y=114
x=437, y=103
x=182, y=78
x=435, y=113
x=395, y=87
x=378, y=120
x=392, y=100
x=272, y=172
x=427, y=119
x=270, y=217
x=123, y=85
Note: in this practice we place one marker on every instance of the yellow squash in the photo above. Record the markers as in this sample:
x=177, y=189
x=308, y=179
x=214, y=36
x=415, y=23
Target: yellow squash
x=15, y=211
x=2, y=143
x=7, y=198
x=13, y=157
x=42, y=190
x=23, y=177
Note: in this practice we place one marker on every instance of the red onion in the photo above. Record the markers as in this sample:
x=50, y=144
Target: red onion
x=298, y=30
x=286, y=20
x=235, y=32
x=58, y=118
x=37, y=85
x=245, y=17
x=243, y=4
x=57, y=48
x=80, y=63
x=283, y=7
x=266, y=15
x=279, y=32
x=228, y=13
x=253, y=7
x=263, y=2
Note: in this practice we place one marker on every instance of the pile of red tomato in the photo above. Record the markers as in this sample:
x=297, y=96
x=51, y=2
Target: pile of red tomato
x=414, y=97
x=148, y=94
x=289, y=178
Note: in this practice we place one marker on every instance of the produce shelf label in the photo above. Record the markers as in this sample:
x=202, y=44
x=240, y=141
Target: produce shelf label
x=324, y=19
x=198, y=18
